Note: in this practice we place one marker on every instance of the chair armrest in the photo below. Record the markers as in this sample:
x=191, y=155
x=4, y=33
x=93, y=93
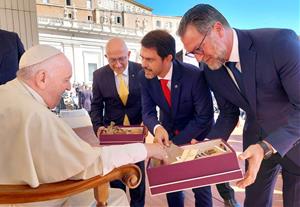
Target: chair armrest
x=130, y=175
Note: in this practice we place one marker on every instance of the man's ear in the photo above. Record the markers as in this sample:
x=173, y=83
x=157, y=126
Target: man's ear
x=129, y=52
x=41, y=79
x=170, y=58
x=219, y=28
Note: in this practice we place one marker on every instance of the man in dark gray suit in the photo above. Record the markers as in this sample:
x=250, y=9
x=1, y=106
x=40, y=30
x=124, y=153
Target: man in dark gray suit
x=11, y=50
x=109, y=102
x=259, y=71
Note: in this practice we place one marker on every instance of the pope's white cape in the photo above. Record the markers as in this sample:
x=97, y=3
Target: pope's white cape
x=35, y=139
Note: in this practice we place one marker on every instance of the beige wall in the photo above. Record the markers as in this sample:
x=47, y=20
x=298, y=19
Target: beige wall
x=50, y=11
x=138, y=21
x=59, y=10
x=75, y=3
x=20, y=16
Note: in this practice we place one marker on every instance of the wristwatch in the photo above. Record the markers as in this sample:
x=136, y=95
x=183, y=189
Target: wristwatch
x=267, y=150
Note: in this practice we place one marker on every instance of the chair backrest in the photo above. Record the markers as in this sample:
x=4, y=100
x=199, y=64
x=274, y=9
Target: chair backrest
x=130, y=175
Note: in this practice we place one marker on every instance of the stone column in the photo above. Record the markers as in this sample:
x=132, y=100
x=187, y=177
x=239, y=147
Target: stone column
x=20, y=16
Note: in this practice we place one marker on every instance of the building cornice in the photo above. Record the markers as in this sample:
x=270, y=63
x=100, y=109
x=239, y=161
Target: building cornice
x=79, y=28
x=139, y=5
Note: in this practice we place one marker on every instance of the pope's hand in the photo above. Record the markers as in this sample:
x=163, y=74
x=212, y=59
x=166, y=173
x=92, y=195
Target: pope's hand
x=254, y=154
x=101, y=128
x=161, y=136
x=157, y=151
x=194, y=141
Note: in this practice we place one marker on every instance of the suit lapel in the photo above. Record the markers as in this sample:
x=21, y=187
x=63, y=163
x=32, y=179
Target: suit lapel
x=132, y=78
x=248, y=60
x=175, y=87
x=227, y=86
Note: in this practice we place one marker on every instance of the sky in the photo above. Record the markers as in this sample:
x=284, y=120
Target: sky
x=242, y=14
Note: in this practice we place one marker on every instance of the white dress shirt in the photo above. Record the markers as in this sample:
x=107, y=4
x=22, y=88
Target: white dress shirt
x=125, y=76
x=234, y=57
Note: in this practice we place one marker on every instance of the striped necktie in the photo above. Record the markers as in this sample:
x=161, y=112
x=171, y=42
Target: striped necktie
x=237, y=75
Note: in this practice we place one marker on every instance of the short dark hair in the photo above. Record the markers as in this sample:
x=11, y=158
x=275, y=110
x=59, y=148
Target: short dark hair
x=202, y=16
x=162, y=41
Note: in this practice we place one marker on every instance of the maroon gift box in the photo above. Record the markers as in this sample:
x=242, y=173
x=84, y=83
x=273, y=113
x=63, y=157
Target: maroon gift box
x=195, y=173
x=113, y=139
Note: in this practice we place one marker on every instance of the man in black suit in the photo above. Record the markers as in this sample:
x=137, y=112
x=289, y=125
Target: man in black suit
x=11, y=51
x=116, y=97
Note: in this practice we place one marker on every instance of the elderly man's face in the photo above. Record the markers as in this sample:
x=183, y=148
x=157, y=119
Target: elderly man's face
x=118, y=59
x=58, y=81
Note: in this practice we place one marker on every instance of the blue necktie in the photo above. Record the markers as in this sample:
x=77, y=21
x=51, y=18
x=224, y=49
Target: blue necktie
x=237, y=75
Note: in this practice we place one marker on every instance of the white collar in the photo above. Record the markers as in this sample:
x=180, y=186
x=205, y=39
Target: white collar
x=125, y=72
x=168, y=76
x=234, y=55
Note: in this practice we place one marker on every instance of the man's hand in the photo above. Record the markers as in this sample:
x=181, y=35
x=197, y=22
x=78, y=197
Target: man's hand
x=157, y=151
x=161, y=136
x=254, y=154
x=99, y=130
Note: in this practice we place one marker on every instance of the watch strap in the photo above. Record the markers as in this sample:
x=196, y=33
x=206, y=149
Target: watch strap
x=267, y=150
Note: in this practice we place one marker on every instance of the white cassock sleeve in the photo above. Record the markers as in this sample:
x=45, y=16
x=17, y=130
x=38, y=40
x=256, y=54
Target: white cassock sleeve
x=112, y=157
x=115, y=156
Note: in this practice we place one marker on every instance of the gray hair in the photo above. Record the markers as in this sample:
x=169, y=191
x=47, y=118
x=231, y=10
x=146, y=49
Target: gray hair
x=202, y=16
x=28, y=72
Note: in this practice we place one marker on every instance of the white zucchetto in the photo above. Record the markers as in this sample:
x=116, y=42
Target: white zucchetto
x=37, y=54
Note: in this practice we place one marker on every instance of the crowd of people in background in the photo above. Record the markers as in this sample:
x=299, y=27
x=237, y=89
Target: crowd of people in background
x=80, y=96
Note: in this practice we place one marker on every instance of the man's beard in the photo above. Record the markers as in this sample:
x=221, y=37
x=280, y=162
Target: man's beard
x=148, y=73
x=218, y=59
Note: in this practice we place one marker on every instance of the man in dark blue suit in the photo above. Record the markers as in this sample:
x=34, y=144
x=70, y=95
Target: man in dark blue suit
x=184, y=100
x=258, y=71
x=108, y=104
x=224, y=189
x=11, y=51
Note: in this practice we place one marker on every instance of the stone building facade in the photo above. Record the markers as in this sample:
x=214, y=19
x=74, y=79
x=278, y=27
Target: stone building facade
x=20, y=16
x=81, y=29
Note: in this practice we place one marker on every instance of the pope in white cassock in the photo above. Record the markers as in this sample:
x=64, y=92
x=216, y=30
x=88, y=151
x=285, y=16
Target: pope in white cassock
x=38, y=147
